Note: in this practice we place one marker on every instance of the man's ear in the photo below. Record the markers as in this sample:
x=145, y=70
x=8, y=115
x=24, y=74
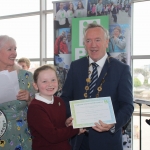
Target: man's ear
x=35, y=86
x=107, y=43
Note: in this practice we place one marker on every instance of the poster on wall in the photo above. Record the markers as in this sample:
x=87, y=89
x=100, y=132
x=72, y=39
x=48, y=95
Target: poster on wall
x=78, y=28
x=119, y=42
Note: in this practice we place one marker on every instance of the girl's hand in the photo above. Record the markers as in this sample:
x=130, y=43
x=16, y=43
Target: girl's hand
x=81, y=131
x=69, y=122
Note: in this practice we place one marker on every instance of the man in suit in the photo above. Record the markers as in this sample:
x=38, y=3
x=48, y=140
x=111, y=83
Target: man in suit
x=114, y=80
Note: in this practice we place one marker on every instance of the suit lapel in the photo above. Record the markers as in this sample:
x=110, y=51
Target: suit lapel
x=85, y=67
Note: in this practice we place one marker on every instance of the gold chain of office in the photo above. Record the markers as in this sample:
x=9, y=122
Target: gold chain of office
x=88, y=80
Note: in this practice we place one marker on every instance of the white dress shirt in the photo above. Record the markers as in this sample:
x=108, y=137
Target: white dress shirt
x=101, y=63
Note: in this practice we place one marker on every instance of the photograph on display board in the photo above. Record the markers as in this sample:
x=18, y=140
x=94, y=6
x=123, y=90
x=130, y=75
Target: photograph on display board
x=118, y=35
x=120, y=56
x=62, y=43
x=65, y=11
x=101, y=7
x=60, y=15
x=120, y=12
x=80, y=7
x=70, y=13
x=95, y=8
x=62, y=63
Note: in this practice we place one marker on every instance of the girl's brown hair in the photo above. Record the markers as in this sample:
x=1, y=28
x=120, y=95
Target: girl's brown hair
x=44, y=67
x=72, y=6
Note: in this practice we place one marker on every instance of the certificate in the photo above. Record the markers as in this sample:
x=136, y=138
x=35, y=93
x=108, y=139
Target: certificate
x=86, y=112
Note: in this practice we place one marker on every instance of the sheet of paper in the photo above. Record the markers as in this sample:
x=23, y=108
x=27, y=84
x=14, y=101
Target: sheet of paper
x=9, y=86
x=14, y=81
x=88, y=111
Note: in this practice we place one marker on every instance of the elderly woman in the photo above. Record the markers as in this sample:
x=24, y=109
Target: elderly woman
x=17, y=135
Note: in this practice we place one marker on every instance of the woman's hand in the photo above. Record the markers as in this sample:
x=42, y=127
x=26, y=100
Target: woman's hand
x=23, y=95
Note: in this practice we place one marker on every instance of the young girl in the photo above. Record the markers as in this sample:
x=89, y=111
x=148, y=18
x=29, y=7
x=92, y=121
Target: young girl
x=70, y=13
x=61, y=15
x=24, y=63
x=63, y=46
x=80, y=11
x=47, y=114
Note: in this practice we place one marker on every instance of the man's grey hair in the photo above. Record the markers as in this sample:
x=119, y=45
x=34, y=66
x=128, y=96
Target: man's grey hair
x=4, y=39
x=93, y=25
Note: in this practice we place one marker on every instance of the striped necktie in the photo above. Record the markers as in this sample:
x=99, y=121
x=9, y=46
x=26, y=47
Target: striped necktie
x=94, y=78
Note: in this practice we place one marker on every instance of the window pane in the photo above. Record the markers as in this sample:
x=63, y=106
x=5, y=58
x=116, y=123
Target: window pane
x=25, y=30
x=50, y=36
x=49, y=4
x=10, y=7
x=141, y=28
x=50, y=62
x=34, y=65
x=141, y=79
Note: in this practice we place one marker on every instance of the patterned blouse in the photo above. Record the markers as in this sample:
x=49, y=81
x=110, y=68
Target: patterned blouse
x=17, y=135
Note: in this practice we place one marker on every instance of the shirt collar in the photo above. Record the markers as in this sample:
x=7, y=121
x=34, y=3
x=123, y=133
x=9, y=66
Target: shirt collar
x=99, y=62
x=40, y=98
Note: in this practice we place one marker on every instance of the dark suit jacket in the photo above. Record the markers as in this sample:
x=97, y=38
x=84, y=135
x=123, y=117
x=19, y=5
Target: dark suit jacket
x=117, y=85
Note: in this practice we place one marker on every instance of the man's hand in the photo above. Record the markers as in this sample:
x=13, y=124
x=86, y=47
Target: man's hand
x=102, y=127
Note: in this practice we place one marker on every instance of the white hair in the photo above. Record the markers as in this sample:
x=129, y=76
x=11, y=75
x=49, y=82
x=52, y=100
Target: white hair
x=93, y=25
x=4, y=39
